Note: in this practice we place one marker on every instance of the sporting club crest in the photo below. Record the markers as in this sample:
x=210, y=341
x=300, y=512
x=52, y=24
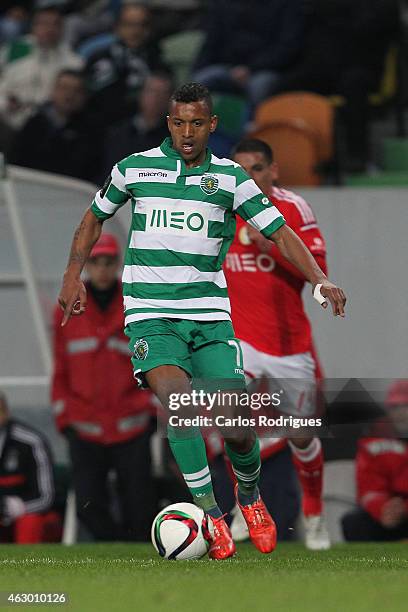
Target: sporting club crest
x=209, y=184
x=141, y=349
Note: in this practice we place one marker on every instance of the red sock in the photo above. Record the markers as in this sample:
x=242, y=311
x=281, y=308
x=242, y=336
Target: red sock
x=309, y=467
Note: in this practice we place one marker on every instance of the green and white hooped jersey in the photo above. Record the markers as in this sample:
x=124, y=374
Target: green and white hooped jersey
x=183, y=223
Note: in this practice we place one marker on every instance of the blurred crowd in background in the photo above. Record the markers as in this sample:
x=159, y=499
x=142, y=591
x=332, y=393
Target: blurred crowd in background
x=85, y=82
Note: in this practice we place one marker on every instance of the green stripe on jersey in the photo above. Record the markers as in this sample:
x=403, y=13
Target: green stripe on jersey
x=183, y=223
x=173, y=291
x=162, y=258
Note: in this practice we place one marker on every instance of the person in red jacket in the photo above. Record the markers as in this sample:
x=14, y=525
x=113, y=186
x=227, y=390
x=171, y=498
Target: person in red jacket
x=382, y=478
x=97, y=406
x=275, y=334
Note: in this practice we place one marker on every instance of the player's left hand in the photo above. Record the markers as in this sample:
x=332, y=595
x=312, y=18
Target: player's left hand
x=335, y=296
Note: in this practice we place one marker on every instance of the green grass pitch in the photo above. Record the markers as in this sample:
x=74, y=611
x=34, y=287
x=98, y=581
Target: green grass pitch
x=110, y=577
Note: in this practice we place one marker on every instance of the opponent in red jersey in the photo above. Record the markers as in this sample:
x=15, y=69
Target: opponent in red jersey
x=269, y=319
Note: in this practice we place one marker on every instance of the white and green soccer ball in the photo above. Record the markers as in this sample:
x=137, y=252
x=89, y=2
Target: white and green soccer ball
x=180, y=531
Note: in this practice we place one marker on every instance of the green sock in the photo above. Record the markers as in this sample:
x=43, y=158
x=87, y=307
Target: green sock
x=246, y=468
x=189, y=451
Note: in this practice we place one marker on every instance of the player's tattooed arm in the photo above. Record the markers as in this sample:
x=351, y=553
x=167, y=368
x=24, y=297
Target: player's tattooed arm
x=76, y=256
x=72, y=297
x=296, y=252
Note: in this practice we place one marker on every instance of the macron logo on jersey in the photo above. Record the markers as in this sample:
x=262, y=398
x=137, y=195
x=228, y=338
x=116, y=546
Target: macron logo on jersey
x=133, y=176
x=156, y=173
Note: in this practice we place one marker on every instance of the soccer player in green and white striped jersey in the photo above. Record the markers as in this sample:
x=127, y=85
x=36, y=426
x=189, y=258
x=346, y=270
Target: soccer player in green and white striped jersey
x=177, y=313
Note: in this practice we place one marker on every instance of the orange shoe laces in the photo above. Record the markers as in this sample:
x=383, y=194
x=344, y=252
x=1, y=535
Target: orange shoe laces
x=216, y=522
x=255, y=513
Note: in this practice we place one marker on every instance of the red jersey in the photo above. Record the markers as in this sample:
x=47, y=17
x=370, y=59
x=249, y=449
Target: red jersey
x=266, y=290
x=382, y=473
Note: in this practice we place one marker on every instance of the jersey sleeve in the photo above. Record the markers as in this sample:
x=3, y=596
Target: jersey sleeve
x=300, y=218
x=112, y=196
x=254, y=207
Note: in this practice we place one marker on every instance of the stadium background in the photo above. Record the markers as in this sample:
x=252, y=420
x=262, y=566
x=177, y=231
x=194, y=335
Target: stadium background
x=363, y=218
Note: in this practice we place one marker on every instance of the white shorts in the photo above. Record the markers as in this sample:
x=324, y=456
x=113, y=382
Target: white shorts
x=295, y=375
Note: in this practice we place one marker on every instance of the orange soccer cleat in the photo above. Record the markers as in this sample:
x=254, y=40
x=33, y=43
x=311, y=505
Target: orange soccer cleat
x=222, y=545
x=261, y=526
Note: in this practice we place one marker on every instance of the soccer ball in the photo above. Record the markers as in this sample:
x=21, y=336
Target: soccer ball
x=180, y=531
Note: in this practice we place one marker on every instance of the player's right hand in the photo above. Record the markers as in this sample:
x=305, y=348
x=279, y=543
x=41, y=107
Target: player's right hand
x=72, y=297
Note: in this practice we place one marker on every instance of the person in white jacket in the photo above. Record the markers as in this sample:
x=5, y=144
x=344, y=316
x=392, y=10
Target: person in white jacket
x=30, y=66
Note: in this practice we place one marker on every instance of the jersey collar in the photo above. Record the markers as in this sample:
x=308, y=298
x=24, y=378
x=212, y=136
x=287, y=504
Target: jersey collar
x=167, y=148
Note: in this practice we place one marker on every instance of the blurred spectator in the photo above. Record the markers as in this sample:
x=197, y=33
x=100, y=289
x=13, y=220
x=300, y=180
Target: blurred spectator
x=99, y=408
x=345, y=48
x=89, y=18
x=26, y=481
x=148, y=128
x=116, y=73
x=249, y=45
x=13, y=22
x=382, y=478
x=63, y=136
x=31, y=65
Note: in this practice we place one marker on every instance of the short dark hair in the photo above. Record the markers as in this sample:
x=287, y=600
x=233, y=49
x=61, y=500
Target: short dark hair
x=193, y=92
x=254, y=145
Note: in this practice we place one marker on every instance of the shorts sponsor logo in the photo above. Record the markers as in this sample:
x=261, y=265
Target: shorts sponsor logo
x=239, y=371
x=141, y=349
x=209, y=184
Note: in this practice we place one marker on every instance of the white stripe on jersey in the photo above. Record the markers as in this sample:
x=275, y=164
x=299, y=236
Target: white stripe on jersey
x=179, y=244
x=264, y=218
x=244, y=192
x=177, y=274
x=200, y=316
x=156, y=152
x=222, y=161
x=213, y=211
x=201, y=302
x=225, y=181
x=118, y=179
